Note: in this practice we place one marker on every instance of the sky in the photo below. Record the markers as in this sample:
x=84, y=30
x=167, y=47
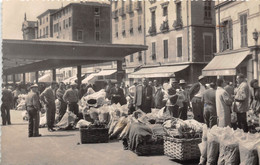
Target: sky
x=13, y=13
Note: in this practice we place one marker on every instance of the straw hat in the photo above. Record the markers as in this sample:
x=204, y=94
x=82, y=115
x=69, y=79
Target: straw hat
x=173, y=80
x=201, y=77
x=182, y=81
x=34, y=86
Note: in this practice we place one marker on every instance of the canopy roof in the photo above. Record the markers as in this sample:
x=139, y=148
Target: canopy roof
x=161, y=71
x=225, y=65
x=20, y=56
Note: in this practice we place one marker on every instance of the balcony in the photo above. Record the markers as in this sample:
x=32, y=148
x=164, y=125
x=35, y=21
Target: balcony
x=122, y=11
x=152, y=30
x=115, y=14
x=164, y=27
x=138, y=5
x=177, y=24
x=131, y=30
x=129, y=9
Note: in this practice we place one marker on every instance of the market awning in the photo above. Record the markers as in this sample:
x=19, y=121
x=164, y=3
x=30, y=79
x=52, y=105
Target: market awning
x=89, y=79
x=224, y=65
x=106, y=72
x=162, y=71
x=45, y=78
x=21, y=56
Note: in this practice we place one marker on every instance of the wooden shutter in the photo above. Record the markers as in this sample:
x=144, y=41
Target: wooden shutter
x=179, y=46
x=165, y=45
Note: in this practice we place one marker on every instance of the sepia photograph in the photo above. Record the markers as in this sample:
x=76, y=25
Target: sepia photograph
x=130, y=82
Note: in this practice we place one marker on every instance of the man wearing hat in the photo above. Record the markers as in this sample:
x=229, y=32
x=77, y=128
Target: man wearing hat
x=171, y=105
x=158, y=95
x=195, y=93
x=143, y=96
x=48, y=97
x=33, y=106
x=71, y=97
x=185, y=101
x=117, y=95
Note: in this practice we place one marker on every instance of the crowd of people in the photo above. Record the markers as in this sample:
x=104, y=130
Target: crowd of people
x=212, y=103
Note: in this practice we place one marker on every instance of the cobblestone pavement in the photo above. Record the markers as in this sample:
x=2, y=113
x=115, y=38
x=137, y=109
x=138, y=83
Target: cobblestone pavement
x=63, y=148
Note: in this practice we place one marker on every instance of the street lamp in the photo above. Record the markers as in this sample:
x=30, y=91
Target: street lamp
x=255, y=36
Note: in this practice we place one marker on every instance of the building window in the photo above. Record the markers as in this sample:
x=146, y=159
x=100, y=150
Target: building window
x=226, y=35
x=97, y=22
x=43, y=32
x=63, y=24
x=153, y=51
x=165, y=46
x=40, y=33
x=97, y=36
x=152, y=29
x=140, y=57
x=243, y=30
x=116, y=4
x=208, y=48
x=153, y=18
x=131, y=58
x=139, y=23
x=207, y=9
x=79, y=35
x=123, y=28
x=179, y=47
x=43, y=20
x=97, y=11
x=178, y=7
x=131, y=29
x=47, y=19
x=47, y=30
x=40, y=21
x=69, y=21
x=116, y=30
x=165, y=11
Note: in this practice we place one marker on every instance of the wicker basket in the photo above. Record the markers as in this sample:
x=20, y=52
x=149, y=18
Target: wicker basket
x=149, y=149
x=182, y=149
x=94, y=135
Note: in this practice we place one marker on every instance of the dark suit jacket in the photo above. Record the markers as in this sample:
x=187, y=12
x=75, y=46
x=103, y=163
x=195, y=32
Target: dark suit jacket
x=194, y=90
x=117, y=96
x=143, y=95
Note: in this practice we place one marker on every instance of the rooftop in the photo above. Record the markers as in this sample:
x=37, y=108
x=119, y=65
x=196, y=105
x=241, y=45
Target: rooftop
x=47, y=11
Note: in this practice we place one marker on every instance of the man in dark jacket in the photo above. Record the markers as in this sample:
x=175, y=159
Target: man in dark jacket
x=143, y=97
x=117, y=95
x=7, y=103
x=196, y=93
x=32, y=103
x=158, y=95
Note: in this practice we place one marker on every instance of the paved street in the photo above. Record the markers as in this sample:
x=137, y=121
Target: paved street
x=61, y=148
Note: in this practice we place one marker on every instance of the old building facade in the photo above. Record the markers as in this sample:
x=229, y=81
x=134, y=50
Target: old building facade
x=45, y=24
x=85, y=22
x=236, y=21
x=180, y=36
x=128, y=27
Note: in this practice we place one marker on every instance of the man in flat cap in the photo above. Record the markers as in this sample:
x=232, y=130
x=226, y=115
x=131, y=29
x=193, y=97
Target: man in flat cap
x=196, y=92
x=48, y=98
x=71, y=97
x=33, y=106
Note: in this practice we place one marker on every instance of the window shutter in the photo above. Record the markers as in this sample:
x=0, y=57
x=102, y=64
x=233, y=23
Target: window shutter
x=230, y=34
x=179, y=46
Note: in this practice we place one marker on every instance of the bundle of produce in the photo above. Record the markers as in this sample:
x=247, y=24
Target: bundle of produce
x=122, y=122
x=98, y=96
x=183, y=129
x=203, y=145
x=103, y=114
x=67, y=120
x=83, y=123
x=248, y=149
x=21, y=105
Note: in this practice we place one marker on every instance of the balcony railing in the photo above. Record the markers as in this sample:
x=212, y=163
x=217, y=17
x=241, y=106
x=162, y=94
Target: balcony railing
x=164, y=26
x=115, y=14
x=131, y=30
x=138, y=5
x=129, y=9
x=122, y=11
x=152, y=30
x=177, y=24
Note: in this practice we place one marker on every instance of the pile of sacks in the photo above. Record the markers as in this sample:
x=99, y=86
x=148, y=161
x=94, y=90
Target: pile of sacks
x=227, y=146
x=187, y=129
